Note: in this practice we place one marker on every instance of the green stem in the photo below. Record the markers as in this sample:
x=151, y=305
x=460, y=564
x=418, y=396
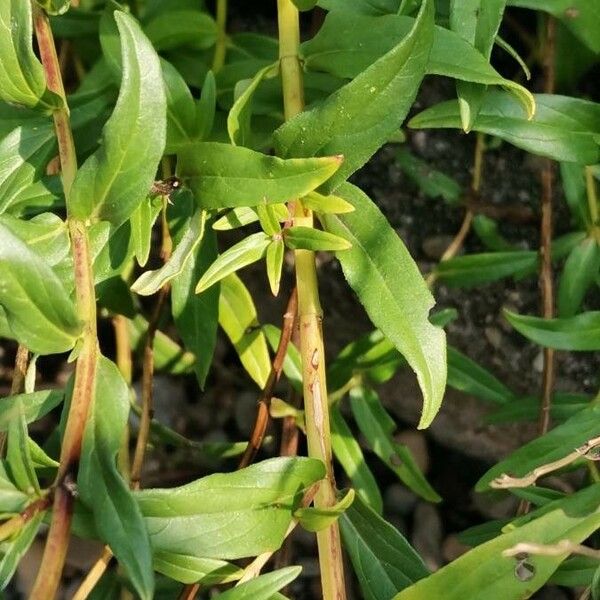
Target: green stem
x=310, y=317
x=82, y=396
x=221, y=43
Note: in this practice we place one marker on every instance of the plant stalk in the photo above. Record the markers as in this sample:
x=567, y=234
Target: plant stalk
x=310, y=318
x=50, y=571
x=545, y=274
x=221, y=43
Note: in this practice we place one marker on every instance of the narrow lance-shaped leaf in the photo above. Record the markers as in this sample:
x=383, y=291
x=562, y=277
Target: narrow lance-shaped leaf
x=564, y=129
x=274, y=263
x=118, y=176
x=242, y=254
x=349, y=454
x=246, y=512
x=378, y=427
x=388, y=284
x=345, y=46
x=35, y=405
x=18, y=455
x=264, y=587
x=190, y=569
x=38, y=310
x=102, y=488
x=579, y=333
x=22, y=79
x=579, y=273
x=150, y=282
x=359, y=118
x=476, y=21
x=238, y=119
x=238, y=318
x=308, y=238
x=486, y=569
x=383, y=560
x=142, y=221
x=196, y=315
x=224, y=176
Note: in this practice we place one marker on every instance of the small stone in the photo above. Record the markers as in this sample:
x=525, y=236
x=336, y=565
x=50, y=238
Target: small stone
x=493, y=336
x=427, y=535
x=417, y=444
x=434, y=246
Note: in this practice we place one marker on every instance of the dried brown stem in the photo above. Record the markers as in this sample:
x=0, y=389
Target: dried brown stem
x=558, y=549
x=506, y=481
x=264, y=401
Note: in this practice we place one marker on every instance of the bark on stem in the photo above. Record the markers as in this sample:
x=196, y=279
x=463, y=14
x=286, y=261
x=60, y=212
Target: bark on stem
x=50, y=571
x=310, y=316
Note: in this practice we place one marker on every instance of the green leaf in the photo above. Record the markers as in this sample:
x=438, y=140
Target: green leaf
x=274, y=262
x=142, y=220
x=362, y=7
x=329, y=204
x=223, y=176
x=238, y=119
x=349, y=454
x=55, y=7
x=359, y=118
x=113, y=181
x=12, y=500
x=308, y=238
x=564, y=406
x=236, y=217
x=150, y=282
x=263, y=587
x=18, y=454
x=346, y=45
x=582, y=17
x=206, y=106
x=101, y=487
x=573, y=183
x=431, y=182
x=190, y=569
x=25, y=152
x=488, y=232
x=469, y=377
x=477, y=22
x=579, y=333
x=22, y=79
x=242, y=254
x=579, y=273
x=268, y=218
x=174, y=28
x=378, y=428
x=388, y=284
x=181, y=109
x=246, y=512
x=35, y=405
x=475, y=269
x=196, y=315
x=383, y=560
x=317, y=519
x=238, y=318
x=564, y=129
x=13, y=549
x=552, y=446
x=485, y=573
x=39, y=311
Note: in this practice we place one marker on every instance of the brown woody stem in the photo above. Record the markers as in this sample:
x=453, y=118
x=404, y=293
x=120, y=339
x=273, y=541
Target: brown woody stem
x=264, y=401
x=82, y=397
